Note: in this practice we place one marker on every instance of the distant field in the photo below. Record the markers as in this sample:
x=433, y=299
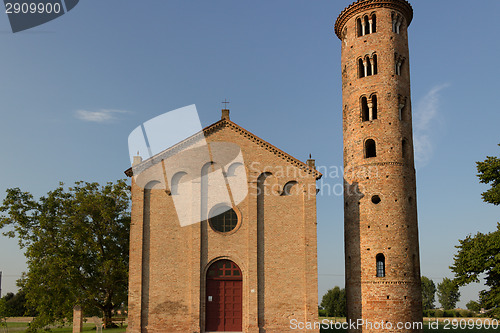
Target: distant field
x=445, y=326
x=20, y=327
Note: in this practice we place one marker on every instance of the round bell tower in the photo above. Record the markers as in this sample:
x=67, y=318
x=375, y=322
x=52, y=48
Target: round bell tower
x=380, y=212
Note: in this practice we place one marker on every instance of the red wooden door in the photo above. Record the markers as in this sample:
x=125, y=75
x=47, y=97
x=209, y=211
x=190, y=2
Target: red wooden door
x=224, y=297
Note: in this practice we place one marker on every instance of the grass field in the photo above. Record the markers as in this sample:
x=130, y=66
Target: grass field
x=20, y=327
x=445, y=327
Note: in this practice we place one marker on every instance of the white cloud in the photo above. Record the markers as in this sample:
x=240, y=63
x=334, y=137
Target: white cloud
x=101, y=116
x=424, y=117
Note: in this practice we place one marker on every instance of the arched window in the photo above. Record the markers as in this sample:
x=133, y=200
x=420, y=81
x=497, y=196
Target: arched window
x=223, y=218
x=380, y=265
x=374, y=107
x=399, y=66
x=359, y=27
x=361, y=68
x=224, y=269
x=402, y=108
x=396, y=23
x=370, y=148
x=287, y=189
x=365, y=115
x=368, y=66
x=404, y=148
x=176, y=180
x=374, y=23
x=366, y=25
x=398, y=63
x=375, y=65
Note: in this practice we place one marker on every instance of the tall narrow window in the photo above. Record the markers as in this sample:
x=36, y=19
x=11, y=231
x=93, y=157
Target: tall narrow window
x=393, y=22
x=368, y=66
x=404, y=148
x=366, y=25
x=374, y=107
x=374, y=23
x=370, y=149
x=364, y=109
x=402, y=108
x=361, y=67
x=375, y=65
x=400, y=66
x=380, y=265
x=359, y=27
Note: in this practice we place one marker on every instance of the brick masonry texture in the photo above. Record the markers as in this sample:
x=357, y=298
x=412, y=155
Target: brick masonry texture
x=388, y=227
x=274, y=244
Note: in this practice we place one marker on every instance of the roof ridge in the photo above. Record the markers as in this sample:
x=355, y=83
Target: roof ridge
x=242, y=131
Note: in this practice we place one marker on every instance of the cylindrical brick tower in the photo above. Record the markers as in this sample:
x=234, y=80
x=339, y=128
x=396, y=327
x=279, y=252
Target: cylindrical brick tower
x=380, y=212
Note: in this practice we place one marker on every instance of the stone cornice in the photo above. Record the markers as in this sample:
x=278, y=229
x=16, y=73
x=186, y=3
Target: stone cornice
x=207, y=131
x=357, y=7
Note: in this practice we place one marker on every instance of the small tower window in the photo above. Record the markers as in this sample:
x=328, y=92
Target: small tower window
x=361, y=67
x=370, y=149
x=397, y=21
x=368, y=66
x=374, y=108
x=364, y=109
x=374, y=23
x=359, y=27
x=366, y=25
x=398, y=62
x=402, y=108
x=404, y=148
x=374, y=65
x=380, y=265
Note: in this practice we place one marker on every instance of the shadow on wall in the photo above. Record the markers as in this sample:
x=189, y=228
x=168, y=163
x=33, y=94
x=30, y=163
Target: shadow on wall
x=352, y=240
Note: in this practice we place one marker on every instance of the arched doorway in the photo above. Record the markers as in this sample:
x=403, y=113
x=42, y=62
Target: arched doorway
x=224, y=297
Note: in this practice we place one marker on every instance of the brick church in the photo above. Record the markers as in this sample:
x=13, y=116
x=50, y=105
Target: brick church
x=223, y=261
x=245, y=267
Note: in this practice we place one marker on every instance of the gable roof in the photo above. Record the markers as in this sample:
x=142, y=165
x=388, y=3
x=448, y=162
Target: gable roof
x=215, y=127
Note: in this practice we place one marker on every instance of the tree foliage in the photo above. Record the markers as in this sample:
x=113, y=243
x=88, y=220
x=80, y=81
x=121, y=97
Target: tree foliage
x=489, y=173
x=473, y=306
x=448, y=294
x=428, y=293
x=480, y=254
x=76, y=243
x=3, y=313
x=334, y=302
x=15, y=305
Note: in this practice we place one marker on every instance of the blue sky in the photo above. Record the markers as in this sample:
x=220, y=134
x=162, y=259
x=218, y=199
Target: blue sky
x=73, y=89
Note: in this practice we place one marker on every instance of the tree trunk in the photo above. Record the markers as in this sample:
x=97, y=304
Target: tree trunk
x=107, y=315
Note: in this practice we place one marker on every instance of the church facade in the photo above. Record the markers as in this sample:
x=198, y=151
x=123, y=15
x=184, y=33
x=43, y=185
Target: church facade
x=249, y=265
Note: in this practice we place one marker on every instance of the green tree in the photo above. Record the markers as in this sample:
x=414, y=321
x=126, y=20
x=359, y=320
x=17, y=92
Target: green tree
x=473, y=306
x=334, y=302
x=3, y=313
x=428, y=293
x=448, y=294
x=479, y=254
x=76, y=243
x=489, y=173
x=15, y=305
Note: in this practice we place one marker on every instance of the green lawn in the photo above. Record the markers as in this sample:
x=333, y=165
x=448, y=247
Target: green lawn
x=21, y=327
x=442, y=328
